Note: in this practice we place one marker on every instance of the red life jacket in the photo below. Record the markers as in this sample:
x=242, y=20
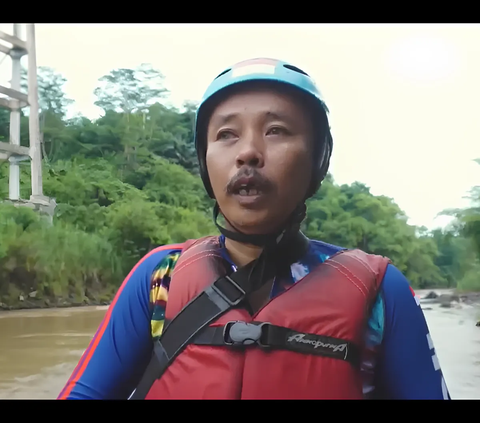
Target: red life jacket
x=334, y=300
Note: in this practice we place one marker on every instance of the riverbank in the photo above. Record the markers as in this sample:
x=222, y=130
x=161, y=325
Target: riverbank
x=445, y=298
x=32, y=302
x=450, y=299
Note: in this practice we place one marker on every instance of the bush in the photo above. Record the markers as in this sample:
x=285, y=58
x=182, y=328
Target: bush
x=57, y=260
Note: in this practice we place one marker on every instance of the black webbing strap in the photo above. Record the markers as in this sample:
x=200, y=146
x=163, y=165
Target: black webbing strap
x=224, y=294
x=267, y=336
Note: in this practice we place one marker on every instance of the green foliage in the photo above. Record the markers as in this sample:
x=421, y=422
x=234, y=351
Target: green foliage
x=52, y=260
x=352, y=217
x=129, y=90
x=465, y=238
x=128, y=182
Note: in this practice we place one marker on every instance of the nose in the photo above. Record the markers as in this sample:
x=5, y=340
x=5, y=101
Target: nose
x=251, y=151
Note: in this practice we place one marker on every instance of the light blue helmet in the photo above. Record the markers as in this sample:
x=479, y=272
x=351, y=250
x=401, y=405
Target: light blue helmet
x=269, y=71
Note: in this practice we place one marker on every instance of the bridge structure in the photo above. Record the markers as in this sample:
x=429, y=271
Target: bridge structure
x=14, y=100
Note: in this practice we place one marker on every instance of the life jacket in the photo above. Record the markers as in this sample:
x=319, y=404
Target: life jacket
x=334, y=300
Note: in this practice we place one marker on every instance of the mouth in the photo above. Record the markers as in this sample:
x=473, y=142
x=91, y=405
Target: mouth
x=247, y=191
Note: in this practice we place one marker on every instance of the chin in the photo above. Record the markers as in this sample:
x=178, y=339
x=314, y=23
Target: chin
x=253, y=222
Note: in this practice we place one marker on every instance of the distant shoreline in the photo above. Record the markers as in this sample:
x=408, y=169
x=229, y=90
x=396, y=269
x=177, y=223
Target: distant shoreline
x=469, y=298
x=444, y=299
x=50, y=304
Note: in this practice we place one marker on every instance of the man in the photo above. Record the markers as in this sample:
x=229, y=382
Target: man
x=261, y=311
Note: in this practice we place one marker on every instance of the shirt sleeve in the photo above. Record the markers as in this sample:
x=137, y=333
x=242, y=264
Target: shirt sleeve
x=408, y=367
x=118, y=354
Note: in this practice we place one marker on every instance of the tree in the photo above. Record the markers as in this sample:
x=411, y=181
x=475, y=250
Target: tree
x=51, y=94
x=468, y=220
x=130, y=90
x=53, y=104
x=128, y=181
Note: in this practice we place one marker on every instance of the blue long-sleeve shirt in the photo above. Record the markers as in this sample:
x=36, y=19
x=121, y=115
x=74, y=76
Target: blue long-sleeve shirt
x=399, y=362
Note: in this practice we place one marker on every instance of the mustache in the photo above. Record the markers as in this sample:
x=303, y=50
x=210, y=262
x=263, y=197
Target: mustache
x=258, y=180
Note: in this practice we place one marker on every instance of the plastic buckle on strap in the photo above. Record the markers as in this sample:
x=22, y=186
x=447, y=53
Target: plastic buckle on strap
x=237, y=333
x=216, y=287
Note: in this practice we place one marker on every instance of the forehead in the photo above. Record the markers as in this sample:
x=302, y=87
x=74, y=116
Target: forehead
x=271, y=101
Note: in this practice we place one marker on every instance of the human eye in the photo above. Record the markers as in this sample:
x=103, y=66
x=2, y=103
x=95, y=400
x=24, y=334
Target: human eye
x=225, y=135
x=277, y=130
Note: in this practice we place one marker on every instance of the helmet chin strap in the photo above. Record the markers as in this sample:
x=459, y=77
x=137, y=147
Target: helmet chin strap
x=281, y=249
x=291, y=227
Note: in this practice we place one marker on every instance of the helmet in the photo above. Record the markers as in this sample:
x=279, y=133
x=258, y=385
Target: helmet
x=275, y=72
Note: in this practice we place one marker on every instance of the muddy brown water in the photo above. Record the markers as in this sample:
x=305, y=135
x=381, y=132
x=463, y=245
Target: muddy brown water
x=40, y=348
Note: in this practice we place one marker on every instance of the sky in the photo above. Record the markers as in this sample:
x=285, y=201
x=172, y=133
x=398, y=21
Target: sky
x=403, y=99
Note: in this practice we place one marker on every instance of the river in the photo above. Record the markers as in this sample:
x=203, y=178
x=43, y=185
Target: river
x=40, y=348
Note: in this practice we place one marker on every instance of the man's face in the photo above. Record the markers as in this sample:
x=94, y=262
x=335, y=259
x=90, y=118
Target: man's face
x=259, y=158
